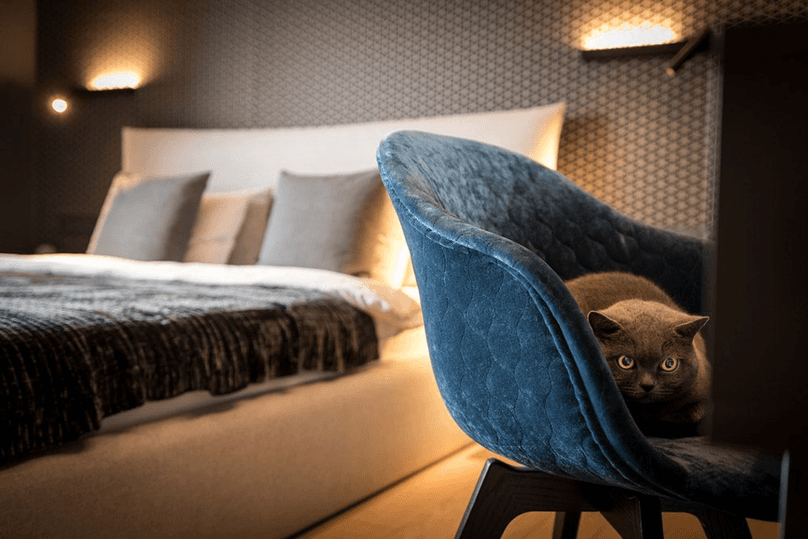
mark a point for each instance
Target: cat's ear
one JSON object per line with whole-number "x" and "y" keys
{"x": 602, "y": 325}
{"x": 691, "y": 327}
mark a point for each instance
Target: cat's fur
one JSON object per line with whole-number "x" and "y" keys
{"x": 633, "y": 317}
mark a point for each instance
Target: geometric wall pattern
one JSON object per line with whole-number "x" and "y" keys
{"x": 636, "y": 138}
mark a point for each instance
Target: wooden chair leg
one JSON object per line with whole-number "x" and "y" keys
{"x": 720, "y": 525}
{"x": 485, "y": 518}
{"x": 566, "y": 524}
{"x": 634, "y": 516}
{"x": 716, "y": 524}
{"x": 504, "y": 492}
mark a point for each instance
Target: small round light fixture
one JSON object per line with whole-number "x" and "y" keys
{"x": 59, "y": 105}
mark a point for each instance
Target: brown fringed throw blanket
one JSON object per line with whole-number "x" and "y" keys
{"x": 76, "y": 349}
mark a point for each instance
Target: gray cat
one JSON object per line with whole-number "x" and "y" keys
{"x": 653, "y": 348}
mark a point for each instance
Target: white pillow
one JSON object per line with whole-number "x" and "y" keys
{"x": 342, "y": 222}
{"x": 148, "y": 217}
{"x": 225, "y": 227}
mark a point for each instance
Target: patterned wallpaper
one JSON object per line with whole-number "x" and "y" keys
{"x": 633, "y": 136}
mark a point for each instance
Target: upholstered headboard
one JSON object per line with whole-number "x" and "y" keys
{"x": 249, "y": 158}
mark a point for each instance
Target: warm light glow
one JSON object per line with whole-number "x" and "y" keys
{"x": 143, "y": 46}
{"x": 115, "y": 81}
{"x": 627, "y": 35}
{"x": 59, "y": 105}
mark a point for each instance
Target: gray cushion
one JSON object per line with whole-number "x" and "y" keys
{"x": 148, "y": 217}
{"x": 339, "y": 222}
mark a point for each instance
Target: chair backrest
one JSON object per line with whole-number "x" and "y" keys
{"x": 492, "y": 237}
{"x": 540, "y": 209}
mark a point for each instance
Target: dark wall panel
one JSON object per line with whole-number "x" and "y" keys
{"x": 17, "y": 77}
{"x": 633, "y": 136}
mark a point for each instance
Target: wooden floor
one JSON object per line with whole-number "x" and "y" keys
{"x": 431, "y": 503}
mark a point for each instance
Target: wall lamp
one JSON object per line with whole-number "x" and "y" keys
{"x": 107, "y": 84}
{"x": 645, "y": 41}
{"x": 124, "y": 80}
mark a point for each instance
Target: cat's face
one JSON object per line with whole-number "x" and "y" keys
{"x": 649, "y": 349}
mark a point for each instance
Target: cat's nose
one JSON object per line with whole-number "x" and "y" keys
{"x": 647, "y": 386}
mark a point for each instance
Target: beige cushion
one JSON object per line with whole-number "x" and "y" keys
{"x": 148, "y": 217}
{"x": 251, "y": 235}
{"x": 229, "y": 226}
{"x": 342, "y": 222}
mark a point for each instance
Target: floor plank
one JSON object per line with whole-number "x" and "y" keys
{"x": 430, "y": 504}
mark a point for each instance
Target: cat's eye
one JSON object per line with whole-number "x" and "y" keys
{"x": 625, "y": 362}
{"x": 670, "y": 364}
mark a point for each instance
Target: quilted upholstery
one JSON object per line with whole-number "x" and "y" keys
{"x": 493, "y": 235}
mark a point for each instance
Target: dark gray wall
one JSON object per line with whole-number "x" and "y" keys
{"x": 17, "y": 75}
{"x": 633, "y": 136}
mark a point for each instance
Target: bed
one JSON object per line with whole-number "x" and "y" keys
{"x": 285, "y": 238}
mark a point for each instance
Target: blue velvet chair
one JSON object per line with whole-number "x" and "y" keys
{"x": 493, "y": 236}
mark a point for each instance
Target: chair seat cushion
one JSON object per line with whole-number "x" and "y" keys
{"x": 745, "y": 481}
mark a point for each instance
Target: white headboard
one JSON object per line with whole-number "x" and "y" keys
{"x": 253, "y": 158}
